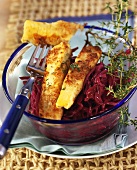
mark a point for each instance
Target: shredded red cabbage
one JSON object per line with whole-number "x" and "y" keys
{"x": 35, "y": 96}
{"x": 94, "y": 97}
{"x": 92, "y": 100}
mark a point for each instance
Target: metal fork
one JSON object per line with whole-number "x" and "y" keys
{"x": 14, "y": 115}
{"x": 121, "y": 132}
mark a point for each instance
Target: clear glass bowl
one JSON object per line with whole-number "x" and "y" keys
{"x": 74, "y": 132}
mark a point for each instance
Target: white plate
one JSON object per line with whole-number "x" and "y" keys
{"x": 132, "y": 134}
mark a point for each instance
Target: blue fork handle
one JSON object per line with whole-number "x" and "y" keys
{"x": 11, "y": 122}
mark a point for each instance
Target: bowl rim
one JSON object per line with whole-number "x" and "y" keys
{"x": 37, "y": 118}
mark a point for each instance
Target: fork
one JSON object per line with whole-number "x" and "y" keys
{"x": 121, "y": 132}
{"x": 10, "y": 124}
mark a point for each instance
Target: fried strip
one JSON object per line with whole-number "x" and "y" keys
{"x": 49, "y": 33}
{"x": 57, "y": 66}
{"x": 73, "y": 82}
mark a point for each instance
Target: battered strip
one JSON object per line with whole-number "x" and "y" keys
{"x": 58, "y": 61}
{"x": 73, "y": 82}
{"x": 49, "y": 33}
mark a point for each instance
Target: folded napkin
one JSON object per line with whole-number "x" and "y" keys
{"x": 27, "y": 136}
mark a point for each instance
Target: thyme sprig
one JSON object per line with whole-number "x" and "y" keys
{"x": 122, "y": 28}
{"x": 122, "y": 61}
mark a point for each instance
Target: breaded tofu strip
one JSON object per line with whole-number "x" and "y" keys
{"x": 58, "y": 62}
{"x": 73, "y": 83}
{"x": 49, "y": 33}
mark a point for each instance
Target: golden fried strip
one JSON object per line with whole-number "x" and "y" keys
{"x": 49, "y": 33}
{"x": 73, "y": 82}
{"x": 58, "y": 61}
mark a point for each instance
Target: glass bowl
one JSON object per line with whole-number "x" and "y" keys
{"x": 70, "y": 132}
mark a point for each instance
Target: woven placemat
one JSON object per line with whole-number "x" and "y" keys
{"x": 25, "y": 159}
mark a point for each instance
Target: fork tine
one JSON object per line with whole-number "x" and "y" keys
{"x": 40, "y": 57}
{"x": 31, "y": 61}
{"x": 44, "y": 61}
{"x": 34, "y": 66}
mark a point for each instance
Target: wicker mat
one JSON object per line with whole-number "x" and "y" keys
{"x": 25, "y": 159}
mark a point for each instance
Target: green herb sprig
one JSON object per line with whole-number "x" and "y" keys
{"x": 74, "y": 66}
{"x": 122, "y": 28}
{"x": 123, "y": 61}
